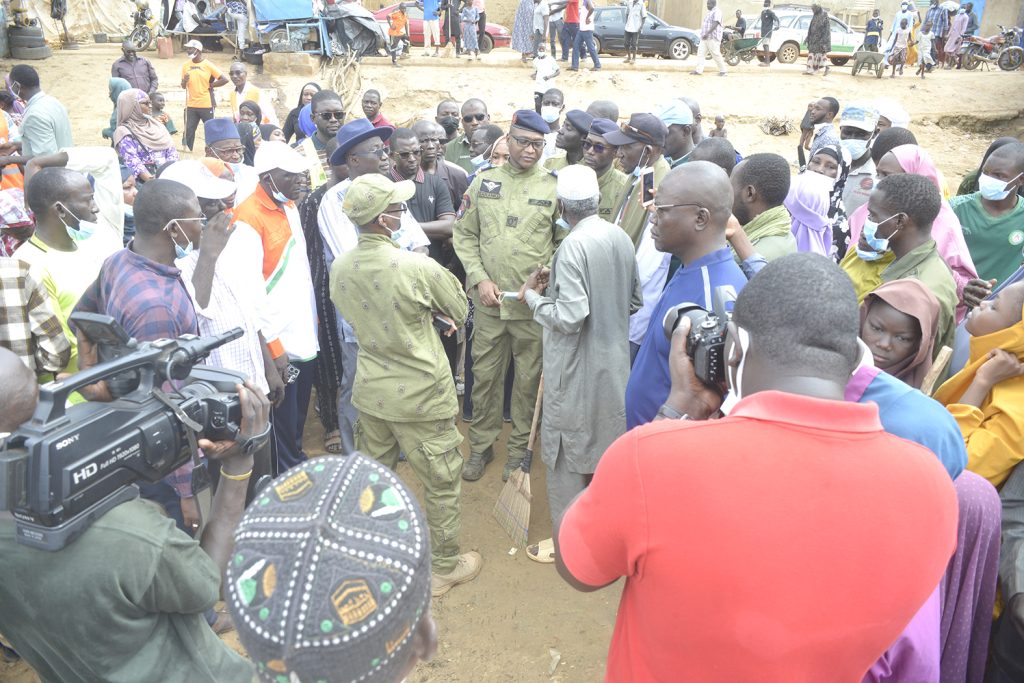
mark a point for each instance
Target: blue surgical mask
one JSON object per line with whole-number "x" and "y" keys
{"x": 856, "y": 148}
{"x": 550, "y": 113}
{"x": 84, "y": 230}
{"x": 563, "y": 224}
{"x": 478, "y": 161}
{"x": 180, "y": 252}
{"x": 994, "y": 189}
{"x": 879, "y": 244}
{"x": 277, "y": 194}
{"x": 865, "y": 255}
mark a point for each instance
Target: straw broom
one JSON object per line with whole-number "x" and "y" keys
{"x": 512, "y": 511}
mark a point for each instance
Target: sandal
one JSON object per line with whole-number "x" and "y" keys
{"x": 332, "y": 442}
{"x": 543, "y": 552}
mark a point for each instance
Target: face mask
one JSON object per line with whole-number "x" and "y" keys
{"x": 277, "y": 194}
{"x": 736, "y": 385}
{"x": 868, "y": 255}
{"x": 549, "y": 113}
{"x": 394, "y": 234}
{"x": 450, "y": 125}
{"x": 84, "y": 230}
{"x": 179, "y": 251}
{"x": 563, "y": 224}
{"x": 821, "y": 179}
{"x": 856, "y": 148}
{"x": 129, "y": 211}
{"x": 478, "y": 161}
{"x": 16, "y": 89}
{"x": 993, "y": 189}
{"x": 879, "y": 244}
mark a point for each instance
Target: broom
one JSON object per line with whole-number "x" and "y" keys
{"x": 512, "y": 511}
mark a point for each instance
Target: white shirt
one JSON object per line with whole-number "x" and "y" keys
{"x": 546, "y": 67}
{"x": 584, "y": 24}
{"x": 237, "y": 292}
{"x": 102, "y": 164}
{"x": 188, "y": 12}
{"x": 635, "y": 15}
{"x": 652, "y": 267}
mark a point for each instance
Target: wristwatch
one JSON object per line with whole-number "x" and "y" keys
{"x": 671, "y": 413}
{"x": 254, "y": 443}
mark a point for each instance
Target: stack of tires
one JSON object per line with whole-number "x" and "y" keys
{"x": 27, "y": 43}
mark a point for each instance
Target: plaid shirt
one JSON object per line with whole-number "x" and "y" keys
{"x": 712, "y": 18}
{"x": 150, "y": 302}
{"x": 13, "y": 214}
{"x": 28, "y": 325}
{"x": 939, "y": 19}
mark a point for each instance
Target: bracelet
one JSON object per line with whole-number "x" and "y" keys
{"x": 671, "y": 413}
{"x": 236, "y": 477}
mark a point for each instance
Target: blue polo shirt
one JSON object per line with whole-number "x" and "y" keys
{"x": 649, "y": 381}
{"x": 907, "y": 413}
{"x": 430, "y": 9}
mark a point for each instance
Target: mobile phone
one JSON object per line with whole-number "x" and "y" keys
{"x": 443, "y": 325}
{"x": 647, "y": 187}
{"x": 291, "y": 374}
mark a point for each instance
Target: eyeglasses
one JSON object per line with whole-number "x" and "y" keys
{"x": 402, "y": 208}
{"x": 529, "y": 142}
{"x": 409, "y": 155}
{"x": 336, "y": 115}
{"x": 470, "y": 117}
{"x": 379, "y": 152}
{"x": 227, "y": 151}
{"x": 662, "y": 208}
{"x": 596, "y": 146}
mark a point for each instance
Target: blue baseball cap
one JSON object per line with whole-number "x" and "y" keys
{"x": 528, "y": 119}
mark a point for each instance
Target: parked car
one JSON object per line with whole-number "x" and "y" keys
{"x": 788, "y": 42}
{"x": 495, "y": 35}
{"x": 658, "y": 37}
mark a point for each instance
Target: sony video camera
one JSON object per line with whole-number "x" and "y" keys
{"x": 706, "y": 342}
{"x": 65, "y": 467}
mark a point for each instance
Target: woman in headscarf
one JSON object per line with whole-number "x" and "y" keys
{"x": 115, "y": 86}
{"x": 834, "y": 161}
{"x": 142, "y": 142}
{"x": 898, "y": 321}
{"x": 808, "y": 201}
{"x": 270, "y": 132}
{"x": 249, "y": 112}
{"x": 522, "y": 29}
{"x": 969, "y": 185}
{"x": 249, "y": 134}
{"x": 291, "y": 124}
{"x": 946, "y": 231}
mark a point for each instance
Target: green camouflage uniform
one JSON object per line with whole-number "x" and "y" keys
{"x": 506, "y": 228}
{"x": 404, "y": 390}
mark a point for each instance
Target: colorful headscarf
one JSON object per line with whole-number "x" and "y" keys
{"x": 913, "y": 298}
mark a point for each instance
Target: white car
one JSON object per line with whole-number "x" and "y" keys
{"x": 788, "y": 42}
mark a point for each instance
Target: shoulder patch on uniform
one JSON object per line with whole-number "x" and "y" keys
{"x": 489, "y": 189}
{"x": 540, "y": 202}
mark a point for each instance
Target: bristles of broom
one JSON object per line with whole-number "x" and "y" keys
{"x": 512, "y": 510}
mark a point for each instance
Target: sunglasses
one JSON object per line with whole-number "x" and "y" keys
{"x": 415, "y": 154}
{"x": 470, "y": 117}
{"x": 596, "y": 146}
{"x": 529, "y": 142}
{"x": 336, "y": 115}
{"x": 379, "y": 152}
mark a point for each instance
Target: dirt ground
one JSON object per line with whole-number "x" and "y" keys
{"x": 519, "y": 621}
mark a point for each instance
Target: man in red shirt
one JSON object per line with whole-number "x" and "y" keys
{"x": 790, "y": 541}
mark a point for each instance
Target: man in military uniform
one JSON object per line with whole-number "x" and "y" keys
{"x": 391, "y": 298}
{"x": 570, "y": 139}
{"x": 457, "y": 151}
{"x": 600, "y": 155}
{"x": 506, "y": 228}
{"x": 640, "y": 143}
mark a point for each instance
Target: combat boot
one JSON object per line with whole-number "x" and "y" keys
{"x": 510, "y": 466}
{"x": 474, "y": 467}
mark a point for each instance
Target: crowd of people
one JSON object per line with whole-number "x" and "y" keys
{"x": 854, "y": 442}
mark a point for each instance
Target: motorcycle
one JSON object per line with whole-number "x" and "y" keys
{"x": 144, "y": 26}
{"x": 1003, "y": 50}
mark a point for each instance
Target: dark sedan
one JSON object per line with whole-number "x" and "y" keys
{"x": 658, "y": 37}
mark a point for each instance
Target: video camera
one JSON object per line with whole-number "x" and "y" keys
{"x": 65, "y": 468}
{"x": 705, "y": 344}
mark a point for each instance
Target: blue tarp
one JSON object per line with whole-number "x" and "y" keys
{"x": 279, "y": 10}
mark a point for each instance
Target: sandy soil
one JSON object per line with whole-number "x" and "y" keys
{"x": 512, "y": 623}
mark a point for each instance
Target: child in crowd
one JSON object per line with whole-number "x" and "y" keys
{"x": 924, "y": 49}
{"x": 719, "y": 130}
{"x": 898, "y": 56}
{"x": 469, "y": 17}
{"x": 873, "y": 32}
{"x": 398, "y": 33}
{"x": 545, "y": 70}
{"x": 898, "y": 322}
{"x": 987, "y": 396}
{"x": 156, "y": 100}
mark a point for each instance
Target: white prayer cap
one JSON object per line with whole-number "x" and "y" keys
{"x": 194, "y": 175}
{"x": 577, "y": 182}
{"x": 894, "y": 111}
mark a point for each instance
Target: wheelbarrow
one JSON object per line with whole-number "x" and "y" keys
{"x": 740, "y": 48}
{"x": 865, "y": 59}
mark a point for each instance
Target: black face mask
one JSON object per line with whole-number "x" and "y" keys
{"x": 450, "y": 125}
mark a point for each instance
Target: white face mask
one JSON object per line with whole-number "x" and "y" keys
{"x": 550, "y": 113}
{"x": 736, "y": 384}
{"x": 995, "y": 189}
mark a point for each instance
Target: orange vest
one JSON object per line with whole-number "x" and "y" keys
{"x": 10, "y": 176}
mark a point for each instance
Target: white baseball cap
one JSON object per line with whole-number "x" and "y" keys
{"x": 577, "y": 182}
{"x": 197, "y": 177}
{"x": 276, "y": 154}
{"x": 194, "y": 44}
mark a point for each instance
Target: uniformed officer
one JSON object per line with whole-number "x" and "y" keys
{"x": 599, "y": 154}
{"x": 404, "y": 391}
{"x": 570, "y": 139}
{"x": 641, "y": 143}
{"x": 506, "y": 228}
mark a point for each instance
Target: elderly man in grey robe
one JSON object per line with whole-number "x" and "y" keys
{"x": 583, "y": 305}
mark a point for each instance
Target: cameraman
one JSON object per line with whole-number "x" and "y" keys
{"x": 125, "y": 601}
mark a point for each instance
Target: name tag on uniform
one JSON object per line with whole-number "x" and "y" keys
{"x": 511, "y": 221}
{"x": 540, "y": 202}
{"x": 490, "y": 189}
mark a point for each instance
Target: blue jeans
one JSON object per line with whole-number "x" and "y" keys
{"x": 585, "y": 39}
{"x": 568, "y": 38}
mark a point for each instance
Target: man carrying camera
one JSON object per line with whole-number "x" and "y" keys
{"x": 817, "y": 493}
{"x": 147, "y": 583}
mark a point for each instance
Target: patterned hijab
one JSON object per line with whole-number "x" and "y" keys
{"x": 148, "y": 131}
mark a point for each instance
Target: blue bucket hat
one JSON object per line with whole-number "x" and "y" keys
{"x": 354, "y": 132}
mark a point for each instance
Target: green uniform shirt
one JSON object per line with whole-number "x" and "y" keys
{"x": 389, "y": 296}
{"x": 613, "y": 184}
{"x": 632, "y": 216}
{"x": 925, "y": 264}
{"x": 458, "y": 152}
{"x": 556, "y": 163}
{"x": 506, "y": 227}
{"x": 995, "y": 242}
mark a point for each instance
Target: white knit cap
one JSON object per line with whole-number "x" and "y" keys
{"x": 894, "y": 111}
{"x": 577, "y": 182}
